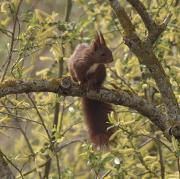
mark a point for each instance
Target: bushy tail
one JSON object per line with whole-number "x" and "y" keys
{"x": 96, "y": 116}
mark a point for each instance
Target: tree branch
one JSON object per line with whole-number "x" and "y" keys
{"x": 15, "y": 18}
{"x": 154, "y": 30}
{"x": 5, "y": 171}
{"x": 65, "y": 87}
{"x": 147, "y": 57}
{"x": 154, "y": 34}
{"x": 140, "y": 8}
{"x": 58, "y": 148}
{"x": 125, "y": 21}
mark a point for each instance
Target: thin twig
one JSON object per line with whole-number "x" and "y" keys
{"x": 9, "y": 161}
{"x": 12, "y": 41}
{"x": 6, "y": 32}
{"x": 105, "y": 174}
{"x": 40, "y": 117}
{"x": 58, "y": 166}
{"x": 24, "y": 135}
{"x": 141, "y": 159}
{"x": 178, "y": 164}
{"x": 62, "y": 115}
{"x": 123, "y": 80}
{"x": 57, "y": 105}
{"x": 157, "y": 140}
{"x": 19, "y": 117}
{"x": 5, "y": 171}
{"x": 58, "y": 148}
{"x": 69, "y": 128}
{"x": 161, "y": 160}
{"x": 22, "y": 131}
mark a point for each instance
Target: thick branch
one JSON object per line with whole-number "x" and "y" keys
{"x": 139, "y": 6}
{"x": 147, "y": 58}
{"x": 154, "y": 34}
{"x": 125, "y": 21}
{"x": 65, "y": 87}
{"x": 154, "y": 30}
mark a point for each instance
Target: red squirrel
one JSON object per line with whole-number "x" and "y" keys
{"x": 86, "y": 66}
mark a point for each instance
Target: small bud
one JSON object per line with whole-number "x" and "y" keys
{"x": 144, "y": 86}
{"x": 71, "y": 109}
{"x": 117, "y": 161}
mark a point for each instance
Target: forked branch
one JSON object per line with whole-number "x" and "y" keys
{"x": 145, "y": 54}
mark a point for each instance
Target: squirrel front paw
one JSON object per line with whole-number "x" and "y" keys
{"x": 93, "y": 87}
{"x": 83, "y": 86}
{"x": 89, "y": 86}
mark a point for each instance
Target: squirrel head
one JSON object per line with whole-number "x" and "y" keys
{"x": 100, "y": 52}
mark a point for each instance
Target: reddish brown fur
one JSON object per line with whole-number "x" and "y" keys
{"x": 96, "y": 115}
{"x": 96, "y": 112}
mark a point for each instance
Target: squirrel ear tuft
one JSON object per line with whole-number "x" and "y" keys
{"x": 95, "y": 45}
{"x": 96, "y": 42}
{"x": 97, "y": 38}
{"x": 102, "y": 41}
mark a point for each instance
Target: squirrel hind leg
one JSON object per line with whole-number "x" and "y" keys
{"x": 74, "y": 78}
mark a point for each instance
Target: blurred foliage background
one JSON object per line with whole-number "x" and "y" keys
{"x": 37, "y": 37}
